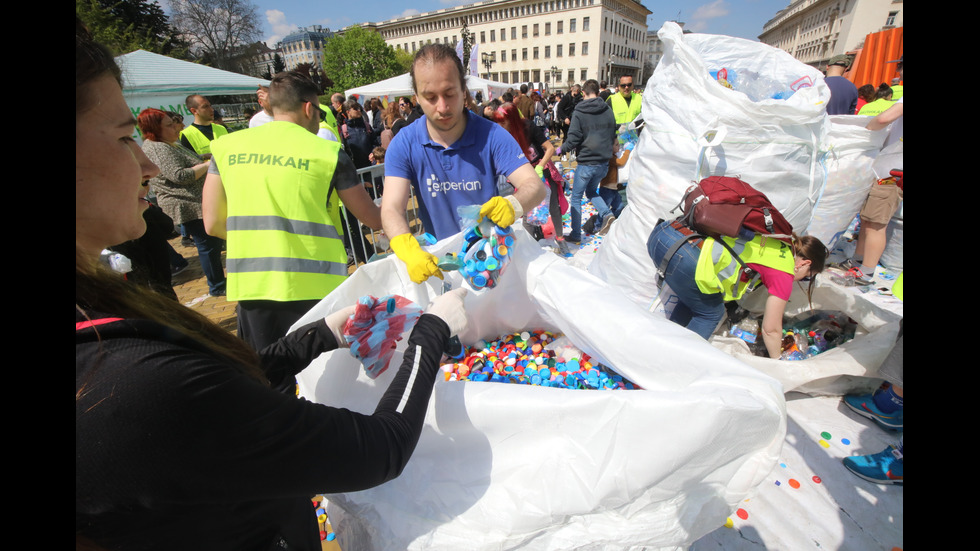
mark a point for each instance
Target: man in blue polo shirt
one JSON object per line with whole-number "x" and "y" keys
{"x": 452, "y": 158}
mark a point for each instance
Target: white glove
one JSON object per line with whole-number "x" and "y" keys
{"x": 336, "y": 322}
{"x": 449, "y": 308}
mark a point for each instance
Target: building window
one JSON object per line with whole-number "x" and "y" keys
{"x": 535, "y": 53}
{"x": 547, "y": 29}
{"x": 547, "y": 52}
{"x": 558, "y": 50}
{"x": 493, "y": 36}
{"x": 515, "y": 76}
{"x": 503, "y": 56}
{"x": 525, "y": 76}
{"x": 585, "y": 72}
{"x": 503, "y": 35}
{"x": 535, "y": 33}
{"x": 890, "y": 21}
{"x": 513, "y": 55}
{"x": 559, "y": 30}
{"x": 571, "y": 49}
{"x": 513, "y": 33}
{"x": 571, "y": 25}
{"x": 524, "y": 54}
{"x": 585, "y": 24}
{"x": 585, "y": 48}
{"x": 524, "y": 31}
{"x": 571, "y": 75}
{"x": 483, "y": 37}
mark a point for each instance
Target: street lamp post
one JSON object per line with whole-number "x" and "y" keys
{"x": 488, "y": 60}
{"x": 609, "y": 64}
{"x": 554, "y": 76}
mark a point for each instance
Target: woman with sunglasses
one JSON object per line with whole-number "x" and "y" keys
{"x": 704, "y": 275}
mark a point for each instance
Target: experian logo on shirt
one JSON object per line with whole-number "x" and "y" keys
{"x": 434, "y": 186}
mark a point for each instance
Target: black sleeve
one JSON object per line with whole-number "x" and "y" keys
{"x": 176, "y": 424}
{"x": 345, "y": 174}
{"x": 286, "y": 357}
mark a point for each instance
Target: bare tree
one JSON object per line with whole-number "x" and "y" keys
{"x": 218, "y": 30}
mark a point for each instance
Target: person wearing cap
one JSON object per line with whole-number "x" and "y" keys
{"x": 843, "y": 93}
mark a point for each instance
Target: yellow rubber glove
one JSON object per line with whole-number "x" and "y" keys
{"x": 502, "y": 211}
{"x": 421, "y": 264}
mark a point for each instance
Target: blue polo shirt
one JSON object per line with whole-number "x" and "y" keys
{"x": 445, "y": 178}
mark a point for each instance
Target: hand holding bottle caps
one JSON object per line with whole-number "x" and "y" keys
{"x": 486, "y": 253}
{"x": 374, "y": 328}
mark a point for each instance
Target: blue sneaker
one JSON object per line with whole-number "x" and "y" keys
{"x": 884, "y": 467}
{"x": 865, "y": 407}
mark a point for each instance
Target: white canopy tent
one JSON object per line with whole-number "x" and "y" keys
{"x": 154, "y": 80}
{"x": 401, "y": 85}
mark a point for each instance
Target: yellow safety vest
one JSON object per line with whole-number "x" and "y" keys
{"x": 876, "y": 107}
{"x": 199, "y": 141}
{"x": 718, "y": 272}
{"x": 626, "y": 113}
{"x": 331, "y": 122}
{"x": 285, "y": 236}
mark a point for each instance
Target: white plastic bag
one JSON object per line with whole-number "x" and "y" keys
{"x": 849, "y": 153}
{"x": 695, "y": 127}
{"x": 502, "y": 466}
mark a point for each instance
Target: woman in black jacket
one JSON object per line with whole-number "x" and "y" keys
{"x": 185, "y": 438}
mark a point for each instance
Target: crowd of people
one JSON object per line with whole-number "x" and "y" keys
{"x": 169, "y": 406}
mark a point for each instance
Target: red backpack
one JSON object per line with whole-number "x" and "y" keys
{"x": 723, "y": 205}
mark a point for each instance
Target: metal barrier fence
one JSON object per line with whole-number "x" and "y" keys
{"x": 362, "y": 242}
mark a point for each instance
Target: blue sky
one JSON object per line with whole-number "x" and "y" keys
{"x": 741, "y": 18}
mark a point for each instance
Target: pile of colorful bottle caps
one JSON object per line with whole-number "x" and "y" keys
{"x": 527, "y": 358}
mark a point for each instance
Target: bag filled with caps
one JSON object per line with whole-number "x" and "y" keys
{"x": 501, "y": 466}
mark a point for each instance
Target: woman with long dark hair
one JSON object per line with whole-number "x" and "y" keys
{"x": 185, "y": 438}
{"x": 538, "y": 149}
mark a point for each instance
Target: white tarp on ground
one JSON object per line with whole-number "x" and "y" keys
{"x": 503, "y": 466}
{"x": 401, "y": 85}
{"x": 161, "y": 82}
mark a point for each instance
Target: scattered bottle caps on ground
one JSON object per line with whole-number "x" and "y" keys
{"x": 538, "y": 357}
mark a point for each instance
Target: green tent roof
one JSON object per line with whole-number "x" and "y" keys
{"x": 148, "y": 73}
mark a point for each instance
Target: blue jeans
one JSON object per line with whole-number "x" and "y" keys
{"x": 612, "y": 198}
{"x": 587, "y": 177}
{"x": 695, "y": 310}
{"x": 209, "y": 252}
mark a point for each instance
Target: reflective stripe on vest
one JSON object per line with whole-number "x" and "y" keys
{"x": 283, "y": 243}
{"x": 626, "y": 113}
{"x": 719, "y": 272}
{"x": 200, "y": 142}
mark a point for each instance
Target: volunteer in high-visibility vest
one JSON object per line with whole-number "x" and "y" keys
{"x": 704, "y": 275}
{"x": 627, "y": 104}
{"x": 199, "y": 135}
{"x": 269, "y": 192}
{"x": 328, "y": 125}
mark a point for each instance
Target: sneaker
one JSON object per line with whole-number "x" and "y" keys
{"x": 219, "y": 293}
{"x": 563, "y": 248}
{"x": 846, "y": 265}
{"x": 860, "y": 279}
{"x": 884, "y": 467}
{"x": 865, "y": 407}
{"x": 174, "y": 270}
{"x": 606, "y": 224}
{"x": 186, "y": 241}
{"x": 573, "y": 240}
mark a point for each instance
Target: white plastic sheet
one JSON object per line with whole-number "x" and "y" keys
{"x": 500, "y": 466}
{"x": 695, "y": 127}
